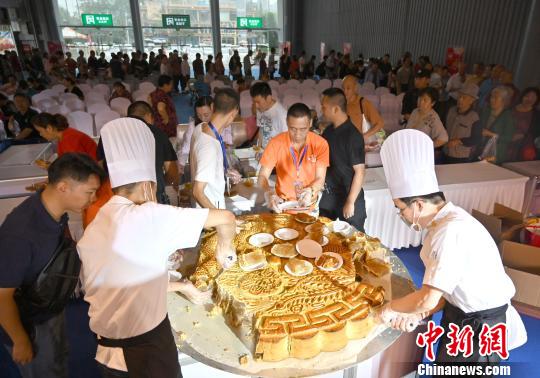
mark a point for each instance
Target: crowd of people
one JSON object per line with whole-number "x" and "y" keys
{"x": 502, "y": 122}
{"x": 120, "y": 181}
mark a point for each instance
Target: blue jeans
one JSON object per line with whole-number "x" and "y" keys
{"x": 50, "y": 351}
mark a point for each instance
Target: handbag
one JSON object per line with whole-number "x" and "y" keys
{"x": 54, "y": 285}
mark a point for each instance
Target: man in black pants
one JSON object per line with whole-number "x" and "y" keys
{"x": 343, "y": 196}
{"x": 29, "y": 238}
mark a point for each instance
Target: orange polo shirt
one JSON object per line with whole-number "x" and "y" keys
{"x": 277, "y": 154}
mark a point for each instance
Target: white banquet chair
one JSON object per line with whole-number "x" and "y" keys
{"x": 97, "y": 108}
{"x": 102, "y": 118}
{"x": 81, "y": 121}
{"x": 120, "y": 105}
{"x": 147, "y": 87}
{"x": 75, "y": 104}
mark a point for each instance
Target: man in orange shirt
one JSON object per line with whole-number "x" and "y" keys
{"x": 359, "y": 108}
{"x": 300, "y": 158}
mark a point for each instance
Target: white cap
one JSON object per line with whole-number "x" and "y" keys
{"x": 130, "y": 150}
{"x": 408, "y": 162}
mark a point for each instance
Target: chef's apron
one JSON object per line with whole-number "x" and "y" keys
{"x": 150, "y": 355}
{"x": 476, "y": 320}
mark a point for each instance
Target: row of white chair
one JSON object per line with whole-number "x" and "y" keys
{"x": 91, "y": 125}
{"x": 51, "y": 105}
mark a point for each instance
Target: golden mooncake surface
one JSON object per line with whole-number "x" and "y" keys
{"x": 279, "y": 316}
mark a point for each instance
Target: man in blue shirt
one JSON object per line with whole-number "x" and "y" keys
{"x": 29, "y": 238}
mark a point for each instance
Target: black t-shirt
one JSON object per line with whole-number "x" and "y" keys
{"x": 164, "y": 152}
{"x": 25, "y": 122}
{"x": 346, "y": 150}
{"x": 410, "y": 101}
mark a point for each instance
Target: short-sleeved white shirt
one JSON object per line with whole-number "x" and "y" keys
{"x": 124, "y": 254}
{"x": 463, "y": 261}
{"x": 206, "y": 161}
{"x": 272, "y": 122}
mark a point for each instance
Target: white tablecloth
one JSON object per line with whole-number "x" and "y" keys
{"x": 470, "y": 186}
{"x": 373, "y": 159}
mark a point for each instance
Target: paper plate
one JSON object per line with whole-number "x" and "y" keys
{"x": 285, "y": 250}
{"x": 309, "y": 248}
{"x": 286, "y": 234}
{"x": 325, "y": 240}
{"x": 313, "y": 227}
{"x": 307, "y": 264}
{"x": 261, "y": 240}
{"x": 329, "y": 269}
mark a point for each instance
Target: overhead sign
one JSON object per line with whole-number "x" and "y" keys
{"x": 176, "y": 21}
{"x": 97, "y": 20}
{"x": 249, "y": 22}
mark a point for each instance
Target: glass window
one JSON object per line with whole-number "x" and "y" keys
{"x": 243, "y": 40}
{"x": 69, "y": 11}
{"x": 197, "y": 39}
{"x": 198, "y": 11}
{"x": 105, "y": 40}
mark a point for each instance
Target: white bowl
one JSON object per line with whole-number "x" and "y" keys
{"x": 286, "y": 234}
{"x": 340, "y": 226}
{"x": 261, "y": 240}
{"x": 309, "y": 248}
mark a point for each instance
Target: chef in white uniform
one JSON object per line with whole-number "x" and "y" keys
{"x": 464, "y": 274}
{"x": 124, "y": 254}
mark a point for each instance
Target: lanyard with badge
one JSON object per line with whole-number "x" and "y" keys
{"x": 298, "y": 185}
{"x": 222, "y": 143}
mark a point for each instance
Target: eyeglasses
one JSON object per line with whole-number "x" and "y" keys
{"x": 400, "y": 211}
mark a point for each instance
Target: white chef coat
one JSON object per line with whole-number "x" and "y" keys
{"x": 206, "y": 164}
{"x": 463, "y": 261}
{"x": 124, "y": 254}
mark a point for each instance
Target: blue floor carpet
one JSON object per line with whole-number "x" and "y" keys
{"x": 83, "y": 345}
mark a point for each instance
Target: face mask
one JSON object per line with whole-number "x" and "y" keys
{"x": 415, "y": 226}
{"x": 148, "y": 193}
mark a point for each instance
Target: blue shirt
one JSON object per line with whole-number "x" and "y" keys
{"x": 28, "y": 238}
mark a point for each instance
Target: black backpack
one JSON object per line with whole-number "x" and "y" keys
{"x": 55, "y": 284}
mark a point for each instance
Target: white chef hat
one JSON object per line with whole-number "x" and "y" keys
{"x": 130, "y": 150}
{"x": 408, "y": 162}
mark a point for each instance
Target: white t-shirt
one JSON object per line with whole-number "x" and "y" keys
{"x": 463, "y": 261}
{"x": 124, "y": 254}
{"x": 272, "y": 122}
{"x": 301, "y": 64}
{"x": 206, "y": 162}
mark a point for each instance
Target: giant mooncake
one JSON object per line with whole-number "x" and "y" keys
{"x": 277, "y": 315}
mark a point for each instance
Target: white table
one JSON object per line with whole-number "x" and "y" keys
{"x": 470, "y": 186}
{"x": 530, "y": 169}
{"x": 373, "y": 159}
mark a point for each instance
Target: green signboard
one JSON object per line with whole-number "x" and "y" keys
{"x": 176, "y": 21}
{"x": 249, "y": 22}
{"x": 97, "y": 20}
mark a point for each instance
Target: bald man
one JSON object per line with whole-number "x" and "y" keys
{"x": 358, "y": 106}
